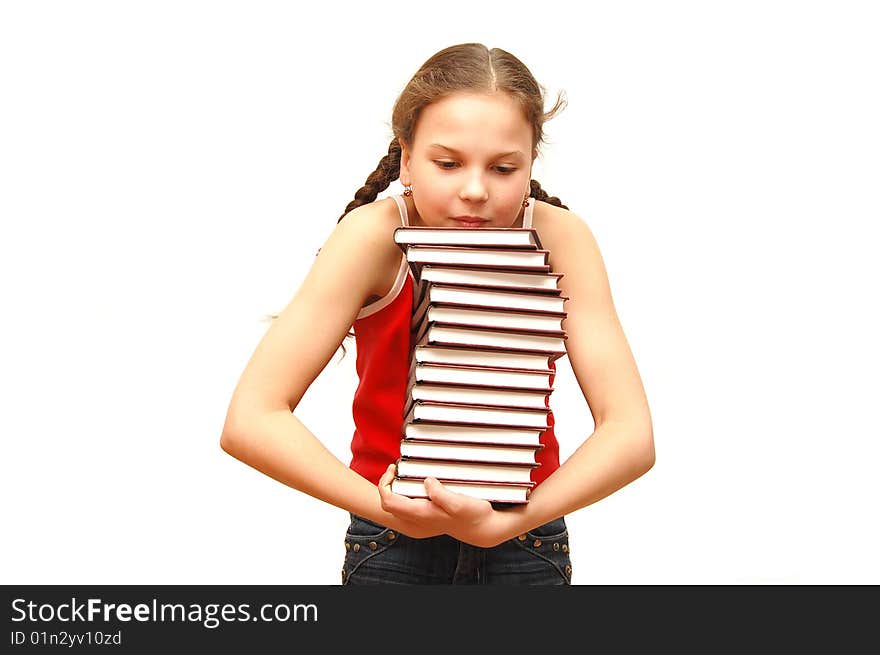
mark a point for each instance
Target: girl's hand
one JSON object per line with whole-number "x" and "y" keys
{"x": 416, "y": 517}
{"x": 472, "y": 520}
{"x": 467, "y": 519}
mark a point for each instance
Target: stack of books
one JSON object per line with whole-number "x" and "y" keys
{"x": 486, "y": 328}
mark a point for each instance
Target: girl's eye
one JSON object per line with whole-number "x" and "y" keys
{"x": 448, "y": 165}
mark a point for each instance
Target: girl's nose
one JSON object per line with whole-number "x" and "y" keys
{"x": 474, "y": 189}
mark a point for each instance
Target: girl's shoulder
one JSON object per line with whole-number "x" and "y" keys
{"x": 380, "y": 216}
{"x": 378, "y": 221}
{"x": 554, "y": 224}
{"x": 573, "y": 248}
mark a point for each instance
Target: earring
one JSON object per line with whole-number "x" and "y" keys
{"x": 526, "y": 201}
{"x": 407, "y": 191}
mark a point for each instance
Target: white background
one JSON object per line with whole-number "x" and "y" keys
{"x": 169, "y": 169}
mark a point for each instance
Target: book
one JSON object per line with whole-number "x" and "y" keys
{"x": 487, "y": 297}
{"x": 488, "y": 310}
{"x": 482, "y": 434}
{"x": 471, "y": 395}
{"x": 468, "y": 452}
{"x": 511, "y": 237}
{"x": 507, "y": 319}
{"x": 500, "y": 278}
{"x": 441, "y": 334}
{"x": 428, "y": 410}
{"x": 474, "y": 471}
{"x": 481, "y": 375}
{"x": 496, "y": 359}
{"x": 493, "y": 492}
{"x": 536, "y": 260}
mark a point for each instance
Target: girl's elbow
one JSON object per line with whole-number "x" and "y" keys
{"x": 227, "y": 442}
{"x": 231, "y": 437}
{"x": 649, "y": 459}
{"x": 230, "y": 442}
{"x": 647, "y": 455}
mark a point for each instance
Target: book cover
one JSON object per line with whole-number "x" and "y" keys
{"x": 497, "y": 359}
{"x": 508, "y": 237}
{"x": 479, "y": 337}
{"x": 473, "y": 433}
{"x": 486, "y": 297}
{"x": 493, "y": 492}
{"x": 499, "y": 278}
{"x": 482, "y": 396}
{"x": 458, "y": 451}
{"x": 526, "y": 260}
{"x": 458, "y": 374}
{"x": 503, "y": 319}
{"x": 472, "y": 471}
{"x": 426, "y": 410}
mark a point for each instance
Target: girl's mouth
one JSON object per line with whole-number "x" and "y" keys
{"x": 469, "y": 221}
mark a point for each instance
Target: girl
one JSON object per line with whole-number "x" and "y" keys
{"x": 467, "y": 128}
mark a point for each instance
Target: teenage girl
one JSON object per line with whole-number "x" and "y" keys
{"x": 467, "y": 128}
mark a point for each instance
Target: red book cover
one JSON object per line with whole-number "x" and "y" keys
{"x": 502, "y": 493}
{"x": 476, "y": 414}
{"x": 500, "y": 237}
{"x": 465, "y": 356}
{"x": 458, "y": 375}
{"x": 495, "y": 317}
{"x": 488, "y": 297}
{"x": 483, "y": 338}
{"x": 465, "y": 470}
{"x": 481, "y": 258}
{"x": 501, "y": 278}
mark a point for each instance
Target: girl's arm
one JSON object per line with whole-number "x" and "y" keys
{"x": 261, "y": 429}
{"x": 621, "y": 447}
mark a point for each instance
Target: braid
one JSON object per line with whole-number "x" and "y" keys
{"x": 539, "y": 194}
{"x": 377, "y": 181}
{"x": 387, "y": 171}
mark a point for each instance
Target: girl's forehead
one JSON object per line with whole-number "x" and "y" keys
{"x": 494, "y": 116}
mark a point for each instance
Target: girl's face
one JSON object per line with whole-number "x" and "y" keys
{"x": 470, "y": 162}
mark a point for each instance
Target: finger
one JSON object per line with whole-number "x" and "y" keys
{"x": 448, "y": 501}
{"x": 385, "y": 481}
{"x": 388, "y": 476}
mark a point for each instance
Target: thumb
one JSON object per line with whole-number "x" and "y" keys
{"x": 448, "y": 501}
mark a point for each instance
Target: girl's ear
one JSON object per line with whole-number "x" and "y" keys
{"x": 405, "y": 179}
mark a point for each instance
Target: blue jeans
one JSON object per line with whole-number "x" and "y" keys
{"x": 376, "y": 555}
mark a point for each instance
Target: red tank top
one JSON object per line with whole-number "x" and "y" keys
{"x": 382, "y": 341}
